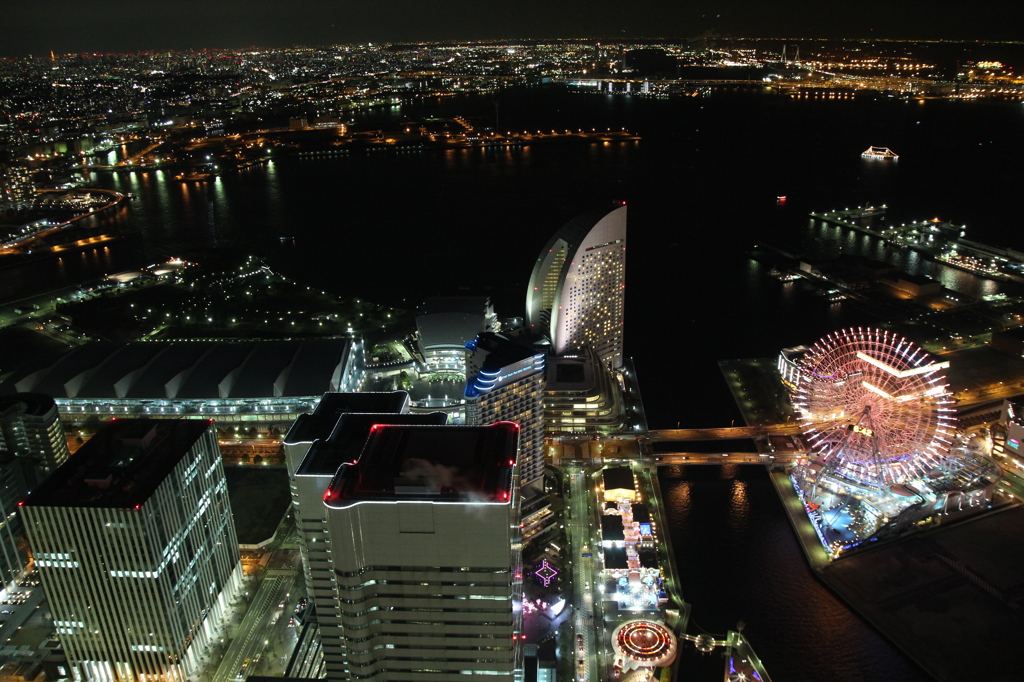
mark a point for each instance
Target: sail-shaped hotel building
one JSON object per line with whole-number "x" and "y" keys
{"x": 576, "y": 292}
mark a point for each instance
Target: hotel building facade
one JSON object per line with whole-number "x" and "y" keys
{"x": 576, "y": 293}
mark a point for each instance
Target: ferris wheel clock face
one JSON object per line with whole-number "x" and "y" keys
{"x": 875, "y": 406}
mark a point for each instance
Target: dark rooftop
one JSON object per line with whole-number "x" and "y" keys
{"x": 199, "y": 370}
{"x": 436, "y": 463}
{"x": 472, "y": 305}
{"x": 318, "y": 424}
{"x": 615, "y": 557}
{"x": 35, "y": 404}
{"x": 121, "y": 466}
{"x": 349, "y": 436}
{"x": 619, "y": 478}
{"x": 611, "y": 528}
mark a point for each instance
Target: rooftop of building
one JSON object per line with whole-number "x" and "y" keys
{"x": 348, "y": 438}
{"x": 186, "y": 370}
{"x": 619, "y": 478}
{"x": 449, "y": 328}
{"x": 473, "y": 305}
{"x": 121, "y": 466}
{"x": 572, "y": 372}
{"x": 34, "y": 404}
{"x": 612, "y": 529}
{"x": 430, "y": 463}
{"x": 494, "y": 352}
{"x": 1017, "y": 334}
{"x": 321, "y": 422}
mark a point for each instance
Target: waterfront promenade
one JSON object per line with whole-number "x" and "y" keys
{"x": 25, "y": 242}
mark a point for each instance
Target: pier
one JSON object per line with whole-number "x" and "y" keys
{"x": 941, "y": 241}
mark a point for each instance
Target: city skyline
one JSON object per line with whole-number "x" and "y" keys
{"x": 115, "y": 26}
{"x": 273, "y": 240}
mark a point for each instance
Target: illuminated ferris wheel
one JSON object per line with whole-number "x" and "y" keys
{"x": 875, "y": 406}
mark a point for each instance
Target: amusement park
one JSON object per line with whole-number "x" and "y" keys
{"x": 883, "y": 453}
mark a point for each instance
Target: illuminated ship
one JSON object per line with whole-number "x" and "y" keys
{"x": 880, "y": 153}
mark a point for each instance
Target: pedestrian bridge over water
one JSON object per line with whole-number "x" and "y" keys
{"x": 765, "y": 445}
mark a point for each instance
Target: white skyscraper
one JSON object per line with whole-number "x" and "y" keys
{"x": 136, "y": 547}
{"x": 424, "y": 540}
{"x": 577, "y": 290}
{"x": 319, "y": 444}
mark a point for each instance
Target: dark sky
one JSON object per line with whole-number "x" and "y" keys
{"x": 28, "y": 27}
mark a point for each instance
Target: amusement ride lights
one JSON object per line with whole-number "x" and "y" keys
{"x": 875, "y": 406}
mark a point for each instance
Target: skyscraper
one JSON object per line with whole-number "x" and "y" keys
{"x": 337, "y": 432}
{"x": 32, "y": 445}
{"x": 505, "y": 381}
{"x": 136, "y": 548}
{"x": 424, "y": 535}
{"x": 30, "y": 427}
{"x": 577, "y": 288}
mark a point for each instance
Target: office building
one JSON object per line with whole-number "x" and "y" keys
{"x": 318, "y": 425}
{"x": 14, "y": 486}
{"x": 30, "y": 428}
{"x": 334, "y": 434}
{"x": 424, "y": 539}
{"x": 505, "y": 381}
{"x": 135, "y": 545}
{"x": 577, "y": 289}
{"x": 16, "y": 186}
{"x": 32, "y": 446}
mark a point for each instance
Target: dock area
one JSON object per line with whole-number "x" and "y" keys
{"x": 939, "y": 240}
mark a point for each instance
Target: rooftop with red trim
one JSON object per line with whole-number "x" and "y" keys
{"x": 430, "y": 463}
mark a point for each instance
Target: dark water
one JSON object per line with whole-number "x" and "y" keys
{"x": 701, "y": 187}
{"x": 738, "y": 559}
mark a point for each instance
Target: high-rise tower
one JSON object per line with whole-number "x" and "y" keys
{"x": 334, "y": 434}
{"x": 505, "y": 381}
{"x": 30, "y": 427}
{"x": 577, "y": 289}
{"x": 424, "y": 539}
{"x": 136, "y": 548}
{"x": 32, "y": 446}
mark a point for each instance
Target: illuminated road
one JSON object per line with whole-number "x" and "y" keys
{"x": 578, "y": 533}
{"x": 252, "y": 638}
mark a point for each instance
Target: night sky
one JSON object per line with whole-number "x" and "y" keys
{"x": 122, "y": 26}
